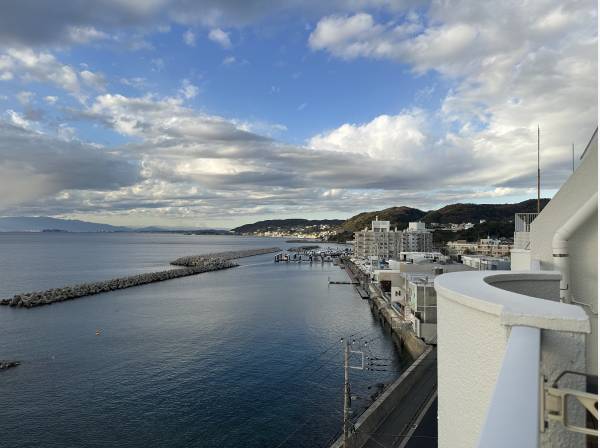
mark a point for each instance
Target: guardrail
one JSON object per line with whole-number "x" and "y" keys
{"x": 523, "y": 221}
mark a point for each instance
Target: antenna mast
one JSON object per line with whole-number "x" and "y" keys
{"x": 538, "y": 171}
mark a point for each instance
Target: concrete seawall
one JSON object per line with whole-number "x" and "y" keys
{"x": 193, "y": 265}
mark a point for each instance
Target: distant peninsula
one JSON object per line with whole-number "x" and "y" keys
{"x": 57, "y": 225}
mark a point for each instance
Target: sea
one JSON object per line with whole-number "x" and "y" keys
{"x": 244, "y": 357}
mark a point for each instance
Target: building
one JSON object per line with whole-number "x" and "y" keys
{"x": 485, "y": 263}
{"x": 416, "y": 238}
{"x": 517, "y": 350}
{"x": 486, "y": 246}
{"x": 411, "y": 290}
{"x": 380, "y": 241}
{"x": 460, "y": 247}
{"x": 383, "y": 243}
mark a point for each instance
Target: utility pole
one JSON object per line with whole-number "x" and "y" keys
{"x": 347, "y": 428}
{"x": 538, "y": 172}
{"x": 346, "y": 393}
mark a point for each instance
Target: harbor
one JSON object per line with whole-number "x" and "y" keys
{"x": 311, "y": 254}
{"x": 262, "y": 338}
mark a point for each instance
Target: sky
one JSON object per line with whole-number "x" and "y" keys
{"x": 218, "y": 113}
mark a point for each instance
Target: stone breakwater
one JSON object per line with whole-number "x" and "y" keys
{"x": 8, "y": 364}
{"x": 39, "y": 298}
{"x": 195, "y": 260}
{"x": 192, "y": 266}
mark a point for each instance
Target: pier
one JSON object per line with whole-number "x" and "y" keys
{"x": 192, "y": 265}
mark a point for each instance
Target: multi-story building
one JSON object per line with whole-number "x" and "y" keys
{"x": 485, "y": 246}
{"x": 518, "y": 350}
{"x": 379, "y": 241}
{"x": 416, "y": 238}
{"x": 383, "y": 243}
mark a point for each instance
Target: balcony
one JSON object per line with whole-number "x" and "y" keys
{"x": 499, "y": 336}
{"x": 522, "y": 228}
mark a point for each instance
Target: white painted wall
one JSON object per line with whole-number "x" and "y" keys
{"x": 466, "y": 336}
{"x": 520, "y": 259}
{"x": 583, "y": 247}
{"x": 474, "y": 323}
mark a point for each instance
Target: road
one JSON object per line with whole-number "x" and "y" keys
{"x": 394, "y": 429}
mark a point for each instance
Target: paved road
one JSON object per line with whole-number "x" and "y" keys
{"x": 394, "y": 428}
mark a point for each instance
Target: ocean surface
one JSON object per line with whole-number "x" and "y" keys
{"x": 246, "y": 357}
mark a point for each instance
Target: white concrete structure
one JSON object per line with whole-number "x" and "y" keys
{"x": 382, "y": 242}
{"x": 477, "y": 314}
{"x": 500, "y": 333}
{"x": 485, "y": 263}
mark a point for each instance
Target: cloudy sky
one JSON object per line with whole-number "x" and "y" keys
{"x": 217, "y": 113}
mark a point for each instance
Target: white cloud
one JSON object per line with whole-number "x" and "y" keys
{"x": 508, "y": 70}
{"x": 157, "y": 64}
{"x": 51, "y": 99}
{"x": 399, "y": 137}
{"x": 85, "y": 34}
{"x": 137, "y": 82}
{"x": 94, "y": 80}
{"x": 188, "y": 90}
{"x": 229, "y": 60}
{"x": 24, "y": 97}
{"x": 220, "y": 37}
{"x": 189, "y": 37}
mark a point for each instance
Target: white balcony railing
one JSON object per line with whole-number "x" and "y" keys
{"x": 523, "y": 221}
{"x": 499, "y": 334}
{"x": 506, "y": 424}
{"x": 522, "y": 228}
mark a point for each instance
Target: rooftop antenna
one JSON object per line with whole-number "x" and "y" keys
{"x": 538, "y": 171}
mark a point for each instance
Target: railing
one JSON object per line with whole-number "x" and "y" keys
{"x": 488, "y": 380}
{"x": 513, "y": 415}
{"x": 522, "y": 228}
{"x": 523, "y": 221}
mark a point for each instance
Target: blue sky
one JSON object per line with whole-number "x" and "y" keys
{"x": 221, "y": 113}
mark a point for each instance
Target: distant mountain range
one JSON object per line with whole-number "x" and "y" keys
{"x": 271, "y": 225}
{"x": 47, "y": 224}
{"x": 398, "y": 217}
{"x": 401, "y": 216}
{"x": 41, "y": 223}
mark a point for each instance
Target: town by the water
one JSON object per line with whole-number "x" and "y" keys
{"x": 299, "y": 224}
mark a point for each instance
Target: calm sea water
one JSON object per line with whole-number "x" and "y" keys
{"x": 244, "y": 357}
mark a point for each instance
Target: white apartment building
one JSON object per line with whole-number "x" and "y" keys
{"x": 382, "y": 242}
{"x": 485, "y": 263}
{"x": 485, "y": 246}
{"x": 517, "y": 350}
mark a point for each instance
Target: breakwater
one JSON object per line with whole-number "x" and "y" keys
{"x": 4, "y": 365}
{"x": 191, "y": 266}
{"x": 196, "y": 260}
